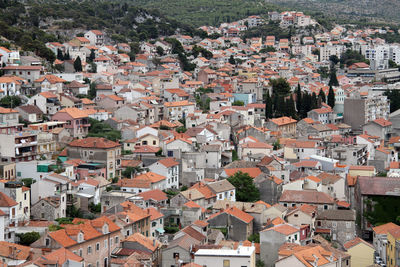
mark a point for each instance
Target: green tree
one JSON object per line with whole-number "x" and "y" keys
{"x": 333, "y": 81}
{"x": 322, "y": 96}
{"x": 290, "y": 108}
{"x": 254, "y": 238}
{"x": 246, "y": 191}
{"x": 314, "y": 101}
{"x": 280, "y": 87}
{"x": 27, "y": 239}
{"x": 334, "y": 59}
{"x": 260, "y": 263}
{"x": 160, "y": 50}
{"x": 28, "y": 182}
{"x": 268, "y": 106}
{"x": 60, "y": 55}
{"x": 299, "y": 103}
{"x": 92, "y": 55}
{"x": 331, "y": 97}
{"x": 78, "y": 64}
{"x": 132, "y": 171}
{"x": 232, "y": 60}
{"x": 10, "y": 101}
{"x": 238, "y": 103}
{"x": 92, "y": 90}
{"x": 394, "y": 99}
{"x": 392, "y": 64}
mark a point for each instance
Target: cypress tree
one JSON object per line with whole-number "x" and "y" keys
{"x": 281, "y": 106}
{"x": 92, "y": 55}
{"x": 291, "y": 110}
{"x": 60, "y": 55}
{"x": 322, "y": 96}
{"x": 306, "y": 104}
{"x": 268, "y": 106}
{"x": 314, "y": 101}
{"x": 78, "y": 64}
{"x": 299, "y": 104}
{"x": 331, "y": 97}
{"x": 333, "y": 81}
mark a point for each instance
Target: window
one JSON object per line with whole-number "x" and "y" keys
{"x": 105, "y": 243}
{"x": 24, "y": 196}
{"x": 325, "y": 207}
{"x": 80, "y": 252}
{"x": 116, "y": 240}
{"x": 97, "y": 246}
{"x": 334, "y": 224}
{"x": 348, "y": 224}
{"x": 176, "y": 255}
{"x": 227, "y": 263}
{"x": 153, "y": 224}
{"x": 47, "y": 242}
{"x": 89, "y": 250}
{"x": 319, "y": 223}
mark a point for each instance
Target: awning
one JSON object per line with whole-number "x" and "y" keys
{"x": 160, "y": 230}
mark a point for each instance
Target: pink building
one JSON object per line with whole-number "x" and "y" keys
{"x": 77, "y": 121}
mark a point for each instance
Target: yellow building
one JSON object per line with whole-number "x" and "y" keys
{"x": 393, "y": 250}
{"x": 362, "y": 171}
{"x": 362, "y": 252}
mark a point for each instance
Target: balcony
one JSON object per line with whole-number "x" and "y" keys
{"x": 33, "y": 143}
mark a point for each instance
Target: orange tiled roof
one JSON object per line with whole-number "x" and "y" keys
{"x": 75, "y": 113}
{"x": 94, "y": 142}
{"x": 253, "y": 172}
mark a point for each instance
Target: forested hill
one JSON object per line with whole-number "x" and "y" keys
{"x": 30, "y": 24}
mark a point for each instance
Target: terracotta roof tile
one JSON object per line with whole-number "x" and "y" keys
{"x": 94, "y": 142}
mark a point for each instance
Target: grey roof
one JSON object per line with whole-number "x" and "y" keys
{"x": 211, "y": 148}
{"x": 379, "y": 186}
{"x": 221, "y": 186}
{"x": 247, "y": 207}
{"x": 30, "y": 109}
{"x": 306, "y": 196}
{"x": 184, "y": 242}
{"x": 337, "y": 215}
{"x": 241, "y": 164}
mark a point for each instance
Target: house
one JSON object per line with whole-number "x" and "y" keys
{"x": 8, "y": 212}
{"x": 29, "y": 73}
{"x": 111, "y": 102}
{"x": 77, "y": 88}
{"x": 97, "y": 150}
{"x": 271, "y": 239}
{"x": 47, "y": 102}
{"x": 296, "y": 256}
{"x": 48, "y": 208}
{"x": 179, "y": 251}
{"x": 340, "y": 223}
{"x": 238, "y": 223}
{"x": 154, "y": 198}
{"x": 140, "y": 243}
{"x": 362, "y": 252}
{"x": 77, "y": 121}
{"x": 10, "y": 85}
{"x": 130, "y": 218}
{"x": 14, "y": 255}
{"x": 50, "y": 82}
{"x": 379, "y": 127}
{"x": 285, "y": 125}
{"x": 61, "y": 256}
{"x": 30, "y": 113}
{"x": 380, "y": 238}
{"x": 393, "y": 249}
{"x": 95, "y": 37}
{"x": 156, "y": 222}
{"x": 368, "y": 188}
{"x": 178, "y": 110}
{"x": 248, "y": 149}
{"x": 242, "y": 256}
{"x": 93, "y": 240}
{"x": 223, "y": 189}
{"x": 324, "y": 115}
{"x": 143, "y": 182}
{"x": 170, "y": 168}
{"x": 291, "y": 198}
{"x": 303, "y": 215}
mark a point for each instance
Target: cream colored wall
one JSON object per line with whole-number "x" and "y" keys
{"x": 361, "y": 255}
{"x": 361, "y": 173}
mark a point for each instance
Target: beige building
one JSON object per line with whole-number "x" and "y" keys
{"x": 362, "y": 252}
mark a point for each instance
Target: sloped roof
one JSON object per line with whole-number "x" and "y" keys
{"x": 306, "y": 196}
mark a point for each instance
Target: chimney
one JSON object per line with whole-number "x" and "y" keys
{"x": 190, "y": 196}
{"x": 148, "y": 211}
{"x": 10, "y": 251}
{"x": 227, "y": 206}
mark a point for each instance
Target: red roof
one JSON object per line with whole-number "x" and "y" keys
{"x": 94, "y": 142}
